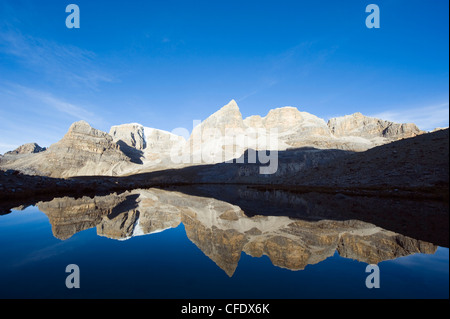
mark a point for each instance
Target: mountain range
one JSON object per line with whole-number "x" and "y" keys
{"x": 225, "y": 135}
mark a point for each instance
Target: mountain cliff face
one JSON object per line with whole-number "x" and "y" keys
{"x": 82, "y": 151}
{"x": 225, "y": 135}
{"x": 160, "y": 145}
{"x": 130, "y": 134}
{"x": 149, "y": 147}
{"x": 370, "y": 128}
{"x": 287, "y": 127}
{"x": 214, "y": 140}
{"x": 292, "y": 128}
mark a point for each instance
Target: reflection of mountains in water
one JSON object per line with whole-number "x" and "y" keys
{"x": 306, "y": 234}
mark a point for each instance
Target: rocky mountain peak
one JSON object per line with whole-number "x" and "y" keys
{"x": 231, "y": 105}
{"x": 82, "y": 127}
{"x": 83, "y": 132}
{"x": 228, "y": 113}
{"x": 29, "y": 148}
{"x": 288, "y": 117}
{"x": 360, "y": 125}
{"x": 229, "y": 116}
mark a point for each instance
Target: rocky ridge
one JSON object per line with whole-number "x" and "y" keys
{"x": 225, "y": 135}
{"x": 29, "y": 148}
{"x": 82, "y": 151}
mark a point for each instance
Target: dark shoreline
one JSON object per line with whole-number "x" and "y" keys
{"x": 25, "y": 186}
{"x": 25, "y": 189}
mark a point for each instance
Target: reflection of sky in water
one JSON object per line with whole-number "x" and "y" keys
{"x": 168, "y": 265}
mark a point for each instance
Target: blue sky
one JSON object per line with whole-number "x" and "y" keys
{"x": 166, "y": 63}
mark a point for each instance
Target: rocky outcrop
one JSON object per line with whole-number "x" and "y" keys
{"x": 131, "y": 140}
{"x": 29, "y": 148}
{"x": 82, "y": 151}
{"x": 131, "y": 134}
{"x": 85, "y": 151}
{"x": 368, "y": 127}
{"x": 84, "y": 138}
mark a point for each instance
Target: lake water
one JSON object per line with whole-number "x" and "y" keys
{"x": 232, "y": 242}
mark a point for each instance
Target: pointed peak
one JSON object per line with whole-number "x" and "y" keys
{"x": 231, "y": 105}
{"x": 230, "y": 109}
{"x": 84, "y": 128}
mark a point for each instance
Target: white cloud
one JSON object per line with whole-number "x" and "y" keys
{"x": 30, "y": 115}
{"x": 73, "y": 110}
{"x": 49, "y": 100}
{"x": 67, "y": 63}
{"x": 426, "y": 118}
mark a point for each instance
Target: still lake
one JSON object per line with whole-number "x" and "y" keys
{"x": 229, "y": 242}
